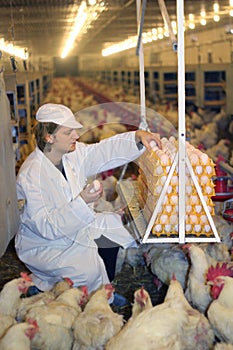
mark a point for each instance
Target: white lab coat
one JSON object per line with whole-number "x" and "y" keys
{"x": 57, "y": 231}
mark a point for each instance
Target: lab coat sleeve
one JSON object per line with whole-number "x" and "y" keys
{"x": 46, "y": 218}
{"x": 110, "y": 153}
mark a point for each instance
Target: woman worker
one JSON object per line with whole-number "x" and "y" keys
{"x": 59, "y": 229}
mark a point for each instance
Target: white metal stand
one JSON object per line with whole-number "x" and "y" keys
{"x": 181, "y": 157}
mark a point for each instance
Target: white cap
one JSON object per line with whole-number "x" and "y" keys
{"x": 58, "y": 114}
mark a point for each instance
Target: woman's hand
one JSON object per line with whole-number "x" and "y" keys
{"x": 91, "y": 194}
{"x": 148, "y": 139}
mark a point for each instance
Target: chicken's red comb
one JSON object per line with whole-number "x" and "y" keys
{"x": 109, "y": 287}
{"x": 69, "y": 281}
{"x": 221, "y": 269}
{"x": 85, "y": 290}
{"x": 173, "y": 277}
{"x": 25, "y": 276}
{"x": 186, "y": 246}
{"x": 142, "y": 291}
{"x": 32, "y": 322}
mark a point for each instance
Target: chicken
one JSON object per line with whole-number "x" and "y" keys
{"x": 217, "y": 251}
{"x": 120, "y": 260}
{"x": 220, "y": 149}
{"x": 224, "y": 229}
{"x": 142, "y": 302}
{"x": 220, "y": 310}
{"x": 136, "y": 256}
{"x": 6, "y": 322}
{"x": 11, "y": 292}
{"x": 197, "y": 291}
{"x": 63, "y": 310}
{"x": 174, "y": 324}
{"x": 207, "y": 135}
{"x": 19, "y": 336}
{"x": 97, "y": 323}
{"x": 164, "y": 262}
{"x": 160, "y": 327}
{"x": 42, "y": 298}
{"x": 62, "y": 286}
{"x": 56, "y": 320}
{"x": 223, "y": 346}
{"x": 52, "y": 337}
{"x": 198, "y": 332}
{"x": 110, "y": 200}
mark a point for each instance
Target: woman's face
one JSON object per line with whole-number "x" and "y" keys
{"x": 64, "y": 140}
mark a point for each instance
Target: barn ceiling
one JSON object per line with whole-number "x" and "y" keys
{"x": 43, "y": 26}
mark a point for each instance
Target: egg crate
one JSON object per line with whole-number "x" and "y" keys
{"x": 155, "y": 167}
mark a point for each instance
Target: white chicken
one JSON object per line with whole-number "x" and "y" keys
{"x": 216, "y": 251}
{"x": 221, "y": 148}
{"x": 97, "y": 323}
{"x": 197, "y": 291}
{"x": 6, "y": 322}
{"x": 174, "y": 324}
{"x": 157, "y": 328}
{"x": 135, "y": 257}
{"x": 198, "y": 332}
{"x": 42, "y": 298}
{"x": 52, "y": 337}
{"x": 142, "y": 302}
{"x": 224, "y": 229}
{"x": 164, "y": 262}
{"x": 63, "y": 310}
{"x": 223, "y": 346}
{"x": 56, "y": 320}
{"x": 61, "y": 286}
{"x": 207, "y": 135}
{"x": 220, "y": 310}
{"x": 11, "y": 292}
{"x": 19, "y": 336}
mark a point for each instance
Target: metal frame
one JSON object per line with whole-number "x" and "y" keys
{"x": 181, "y": 157}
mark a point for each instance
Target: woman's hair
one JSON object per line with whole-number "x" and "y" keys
{"x": 41, "y": 130}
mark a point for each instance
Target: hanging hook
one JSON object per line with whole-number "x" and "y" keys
{"x": 2, "y": 67}
{"x": 13, "y": 63}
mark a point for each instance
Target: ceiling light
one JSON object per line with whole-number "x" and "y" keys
{"x": 216, "y": 7}
{"x": 203, "y": 17}
{"x": 203, "y": 21}
{"x": 13, "y": 50}
{"x": 85, "y": 16}
{"x": 121, "y": 46}
{"x": 191, "y": 25}
{"x": 161, "y": 32}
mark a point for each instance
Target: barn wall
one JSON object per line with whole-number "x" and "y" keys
{"x": 9, "y": 217}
